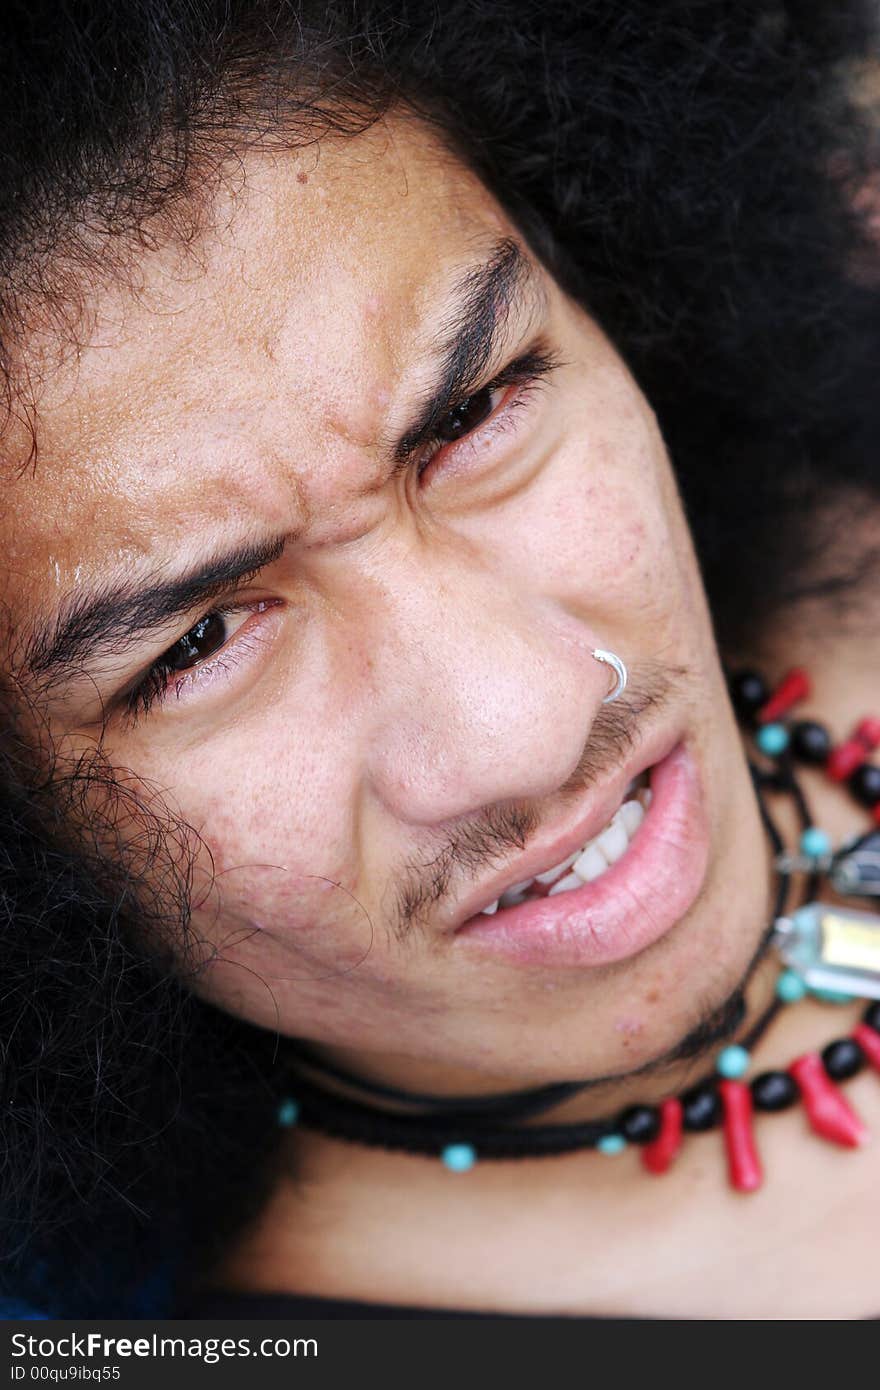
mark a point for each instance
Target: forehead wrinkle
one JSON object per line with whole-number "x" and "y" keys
{"x": 349, "y": 357}
{"x": 248, "y": 298}
{"x": 190, "y": 514}
{"x": 183, "y": 487}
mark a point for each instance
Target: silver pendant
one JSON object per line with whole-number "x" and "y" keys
{"x": 853, "y": 870}
{"x": 833, "y": 948}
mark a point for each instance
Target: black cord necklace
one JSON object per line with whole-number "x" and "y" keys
{"x": 463, "y": 1130}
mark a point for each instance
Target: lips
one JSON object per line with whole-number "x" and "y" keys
{"x": 550, "y": 851}
{"x": 632, "y": 905}
{"x": 591, "y": 859}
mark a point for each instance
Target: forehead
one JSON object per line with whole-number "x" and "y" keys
{"x": 244, "y": 375}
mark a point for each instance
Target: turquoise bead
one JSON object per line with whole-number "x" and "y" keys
{"x": 790, "y": 987}
{"x": 288, "y": 1113}
{"x": 832, "y": 996}
{"x": 732, "y": 1061}
{"x": 772, "y": 739}
{"x": 815, "y": 843}
{"x": 458, "y": 1158}
{"x": 611, "y": 1144}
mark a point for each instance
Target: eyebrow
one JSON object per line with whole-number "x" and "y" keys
{"x": 90, "y": 627}
{"x": 484, "y": 300}
{"x": 106, "y": 623}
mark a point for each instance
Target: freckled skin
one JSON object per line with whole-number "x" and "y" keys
{"x": 428, "y": 654}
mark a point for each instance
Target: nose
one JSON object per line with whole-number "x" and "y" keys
{"x": 477, "y": 695}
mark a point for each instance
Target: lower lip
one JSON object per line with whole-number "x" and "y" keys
{"x": 632, "y": 905}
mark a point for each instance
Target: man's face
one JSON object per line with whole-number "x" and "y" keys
{"x": 328, "y": 517}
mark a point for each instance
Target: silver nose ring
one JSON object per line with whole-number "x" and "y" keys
{"x": 619, "y": 670}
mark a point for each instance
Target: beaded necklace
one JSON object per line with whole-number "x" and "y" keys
{"x": 827, "y": 952}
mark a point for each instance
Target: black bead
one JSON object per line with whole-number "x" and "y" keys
{"x": 871, "y": 1016}
{"x": 810, "y": 742}
{"x": 640, "y": 1124}
{"x": 749, "y": 692}
{"x": 865, "y": 784}
{"x": 774, "y": 1090}
{"x": 701, "y": 1108}
{"x": 843, "y": 1058}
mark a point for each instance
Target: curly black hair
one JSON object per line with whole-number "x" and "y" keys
{"x": 699, "y": 174}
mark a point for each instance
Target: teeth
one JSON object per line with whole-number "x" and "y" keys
{"x": 632, "y": 814}
{"x": 549, "y": 875}
{"x": 590, "y": 864}
{"x": 613, "y": 840}
{"x": 516, "y": 893}
{"x": 564, "y": 884}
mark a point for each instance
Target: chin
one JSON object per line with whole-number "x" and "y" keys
{"x": 679, "y": 999}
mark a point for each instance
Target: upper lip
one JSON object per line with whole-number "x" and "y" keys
{"x": 552, "y": 849}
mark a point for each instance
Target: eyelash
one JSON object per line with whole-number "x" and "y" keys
{"x": 155, "y": 687}
{"x": 526, "y": 371}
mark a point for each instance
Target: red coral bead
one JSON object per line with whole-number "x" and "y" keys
{"x": 845, "y": 759}
{"x": 793, "y": 687}
{"x": 869, "y": 1041}
{"x": 743, "y": 1163}
{"x": 658, "y": 1155}
{"x": 868, "y": 733}
{"x": 828, "y": 1112}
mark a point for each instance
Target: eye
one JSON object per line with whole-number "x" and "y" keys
{"x": 469, "y": 415}
{"x": 229, "y": 632}
{"x": 495, "y": 398}
{"x": 203, "y": 640}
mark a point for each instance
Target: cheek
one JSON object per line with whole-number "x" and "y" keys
{"x": 273, "y": 814}
{"x": 262, "y": 915}
{"x": 272, "y": 915}
{"x": 268, "y": 845}
{"x": 283, "y": 947}
{"x": 604, "y": 526}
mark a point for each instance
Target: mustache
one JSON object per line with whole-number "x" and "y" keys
{"x": 499, "y": 830}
